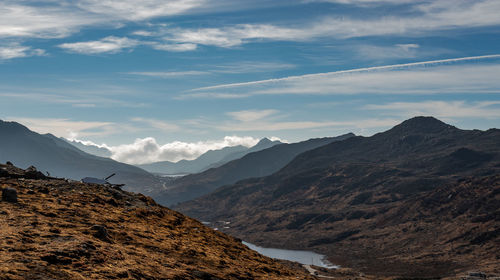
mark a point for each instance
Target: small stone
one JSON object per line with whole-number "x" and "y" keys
{"x": 112, "y": 202}
{"x": 55, "y": 230}
{"x": 9, "y": 195}
{"x": 101, "y": 232}
{"x": 204, "y": 275}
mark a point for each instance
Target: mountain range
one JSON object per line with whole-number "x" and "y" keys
{"x": 255, "y": 164}
{"x": 419, "y": 200}
{"x": 210, "y": 159}
{"x": 51, "y": 154}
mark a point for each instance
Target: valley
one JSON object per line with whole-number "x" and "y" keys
{"x": 419, "y": 200}
{"x": 249, "y": 140}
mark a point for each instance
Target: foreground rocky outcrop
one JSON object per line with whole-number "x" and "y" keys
{"x": 61, "y": 229}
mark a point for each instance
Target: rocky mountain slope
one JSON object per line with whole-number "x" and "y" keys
{"x": 57, "y": 229}
{"x": 256, "y": 164}
{"x": 210, "y": 159}
{"x": 419, "y": 200}
{"x": 48, "y": 153}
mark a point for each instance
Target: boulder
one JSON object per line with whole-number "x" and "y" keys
{"x": 100, "y": 232}
{"x": 9, "y": 195}
{"x": 33, "y": 173}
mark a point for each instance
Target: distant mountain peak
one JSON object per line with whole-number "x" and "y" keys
{"x": 12, "y": 126}
{"x": 422, "y": 124}
{"x": 264, "y": 140}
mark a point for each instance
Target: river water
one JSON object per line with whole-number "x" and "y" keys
{"x": 303, "y": 257}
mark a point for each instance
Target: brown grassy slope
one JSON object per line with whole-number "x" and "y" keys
{"x": 55, "y": 231}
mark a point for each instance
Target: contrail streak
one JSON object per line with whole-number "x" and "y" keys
{"x": 367, "y": 69}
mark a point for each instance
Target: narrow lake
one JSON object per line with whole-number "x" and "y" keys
{"x": 303, "y": 257}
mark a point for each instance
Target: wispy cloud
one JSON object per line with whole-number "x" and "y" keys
{"x": 216, "y": 95}
{"x": 428, "y": 17}
{"x": 365, "y": 2}
{"x": 75, "y": 98}
{"x": 16, "y": 50}
{"x": 273, "y": 120}
{"x": 53, "y": 19}
{"x": 252, "y": 67}
{"x": 436, "y": 76}
{"x": 158, "y": 124}
{"x": 66, "y": 127}
{"x": 42, "y": 21}
{"x": 57, "y": 19}
{"x": 358, "y": 70}
{"x": 232, "y": 68}
{"x": 171, "y": 74}
{"x": 251, "y": 115}
{"x": 109, "y": 44}
{"x": 302, "y": 125}
{"x": 440, "y": 109}
{"x": 388, "y": 52}
{"x": 133, "y": 10}
{"x": 180, "y": 47}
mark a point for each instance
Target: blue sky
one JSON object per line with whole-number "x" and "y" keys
{"x": 165, "y": 80}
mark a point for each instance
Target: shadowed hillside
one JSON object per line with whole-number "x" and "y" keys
{"x": 257, "y": 164}
{"x": 419, "y": 200}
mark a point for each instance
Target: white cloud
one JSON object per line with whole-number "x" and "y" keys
{"x": 358, "y": 70}
{"x": 300, "y": 125}
{"x": 172, "y": 74}
{"x": 143, "y": 33}
{"x": 365, "y": 2}
{"x": 16, "y": 50}
{"x": 42, "y": 21}
{"x": 251, "y": 115}
{"x": 234, "y": 68}
{"x": 84, "y": 105}
{"x": 235, "y": 35}
{"x": 270, "y": 120}
{"x": 66, "y": 127}
{"x": 157, "y": 124}
{"x": 79, "y": 98}
{"x": 441, "y": 109}
{"x": 56, "y": 19}
{"x": 388, "y": 52}
{"x": 411, "y": 78}
{"x": 217, "y": 95}
{"x": 430, "y": 16}
{"x": 183, "y": 47}
{"x": 139, "y": 10}
{"x": 109, "y": 44}
{"x": 147, "y": 150}
{"x": 112, "y": 44}
{"x": 252, "y": 67}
